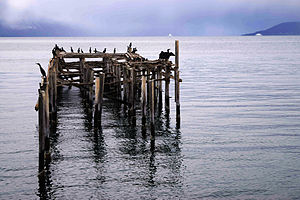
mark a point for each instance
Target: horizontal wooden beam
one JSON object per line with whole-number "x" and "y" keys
{"x": 92, "y": 55}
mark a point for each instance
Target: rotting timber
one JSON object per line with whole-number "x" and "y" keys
{"x": 128, "y": 78}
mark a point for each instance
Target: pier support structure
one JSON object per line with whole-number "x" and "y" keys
{"x": 128, "y": 78}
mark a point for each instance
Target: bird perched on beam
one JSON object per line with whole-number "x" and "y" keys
{"x": 53, "y": 53}
{"x": 81, "y": 51}
{"x": 42, "y": 70}
{"x": 104, "y": 51}
{"x": 95, "y": 51}
{"x": 129, "y": 47}
{"x": 90, "y": 50}
{"x": 134, "y": 50}
{"x": 56, "y": 47}
{"x": 115, "y": 50}
{"x": 166, "y": 55}
{"x": 78, "y": 50}
{"x": 72, "y": 50}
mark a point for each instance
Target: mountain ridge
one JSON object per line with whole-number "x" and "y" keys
{"x": 39, "y": 29}
{"x": 286, "y": 28}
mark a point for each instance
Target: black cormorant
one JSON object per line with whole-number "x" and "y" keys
{"x": 166, "y": 55}
{"x": 95, "y": 51}
{"x": 134, "y": 50}
{"x": 104, "y": 51}
{"x": 53, "y": 53}
{"x": 72, "y": 50}
{"x": 42, "y": 70}
{"x": 90, "y": 50}
{"x": 81, "y": 51}
{"x": 115, "y": 50}
{"x": 78, "y": 50}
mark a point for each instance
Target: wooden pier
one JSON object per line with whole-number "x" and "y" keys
{"x": 128, "y": 78}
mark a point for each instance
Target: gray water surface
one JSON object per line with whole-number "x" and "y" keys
{"x": 239, "y": 135}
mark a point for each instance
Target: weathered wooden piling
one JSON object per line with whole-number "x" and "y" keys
{"x": 152, "y": 136}
{"x": 42, "y": 131}
{"x": 99, "y": 90}
{"x": 81, "y": 69}
{"x": 176, "y": 76}
{"x": 159, "y": 87}
{"x": 125, "y": 85}
{"x": 90, "y": 87}
{"x": 46, "y": 120}
{"x": 167, "y": 89}
{"x": 144, "y": 103}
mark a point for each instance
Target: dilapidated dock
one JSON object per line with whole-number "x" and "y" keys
{"x": 128, "y": 78}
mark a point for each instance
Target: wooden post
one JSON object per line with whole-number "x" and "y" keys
{"x": 132, "y": 92}
{"x": 81, "y": 69}
{"x": 42, "y": 130}
{"x": 138, "y": 85}
{"x": 99, "y": 89}
{"x": 118, "y": 83}
{"x": 159, "y": 85}
{"x": 50, "y": 93}
{"x": 54, "y": 77}
{"x": 177, "y": 99}
{"x": 46, "y": 121}
{"x": 91, "y": 81}
{"x": 125, "y": 85}
{"x": 167, "y": 89}
{"x": 144, "y": 103}
{"x": 148, "y": 86}
{"x": 152, "y": 136}
{"x": 155, "y": 89}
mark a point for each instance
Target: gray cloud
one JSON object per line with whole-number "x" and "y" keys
{"x": 157, "y": 17}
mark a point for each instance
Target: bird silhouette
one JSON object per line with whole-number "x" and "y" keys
{"x": 134, "y": 50}
{"x": 42, "y": 70}
{"x": 53, "y": 53}
{"x": 72, "y": 50}
{"x": 115, "y": 50}
{"x": 130, "y": 44}
{"x": 90, "y": 50}
{"x": 78, "y": 50}
{"x": 81, "y": 51}
{"x": 166, "y": 55}
{"x": 104, "y": 51}
{"x": 56, "y": 47}
{"x": 95, "y": 51}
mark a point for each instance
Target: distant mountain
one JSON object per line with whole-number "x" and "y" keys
{"x": 287, "y": 28}
{"x": 39, "y": 29}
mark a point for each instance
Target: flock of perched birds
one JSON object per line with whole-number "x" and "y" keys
{"x": 163, "y": 55}
{"x": 79, "y": 50}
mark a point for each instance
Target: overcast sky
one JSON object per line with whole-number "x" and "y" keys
{"x": 156, "y": 17}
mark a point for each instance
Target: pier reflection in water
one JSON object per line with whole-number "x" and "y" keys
{"x": 114, "y": 161}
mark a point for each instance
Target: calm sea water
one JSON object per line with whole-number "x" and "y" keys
{"x": 239, "y": 136}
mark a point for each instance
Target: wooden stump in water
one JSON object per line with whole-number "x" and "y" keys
{"x": 176, "y": 76}
{"x": 144, "y": 103}
{"x": 152, "y": 136}
{"x": 99, "y": 90}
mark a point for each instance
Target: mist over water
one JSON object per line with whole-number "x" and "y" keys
{"x": 239, "y": 135}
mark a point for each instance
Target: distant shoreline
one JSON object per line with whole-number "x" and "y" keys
{"x": 283, "y": 29}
